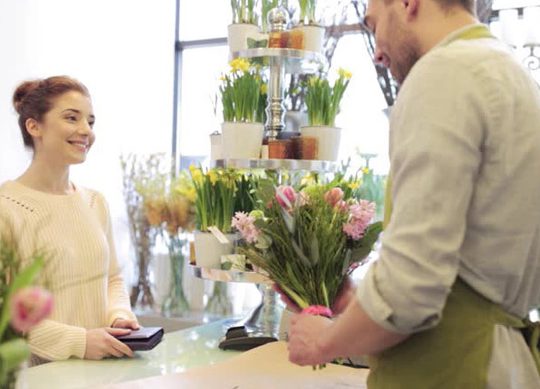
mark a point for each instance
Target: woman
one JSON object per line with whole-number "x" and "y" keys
{"x": 45, "y": 211}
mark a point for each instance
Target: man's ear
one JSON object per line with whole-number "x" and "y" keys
{"x": 410, "y": 7}
{"x": 32, "y": 127}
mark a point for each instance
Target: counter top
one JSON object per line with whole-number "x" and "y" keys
{"x": 177, "y": 352}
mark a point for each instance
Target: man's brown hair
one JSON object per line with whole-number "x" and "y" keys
{"x": 469, "y": 5}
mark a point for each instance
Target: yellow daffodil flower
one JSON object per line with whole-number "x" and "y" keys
{"x": 308, "y": 179}
{"x": 354, "y": 185}
{"x": 343, "y": 73}
{"x": 196, "y": 174}
{"x": 212, "y": 176}
{"x": 239, "y": 64}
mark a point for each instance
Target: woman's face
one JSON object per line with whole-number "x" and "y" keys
{"x": 65, "y": 134}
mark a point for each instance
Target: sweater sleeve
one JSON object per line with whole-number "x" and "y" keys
{"x": 55, "y": 341}
{"x": 118, "y": 299}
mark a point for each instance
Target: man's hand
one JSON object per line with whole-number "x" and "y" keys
{"x": 305, "y": 335}
{"x": 101, "y": 343}
{"x": 344, "y": 296}
{"x": 125, "y": 323}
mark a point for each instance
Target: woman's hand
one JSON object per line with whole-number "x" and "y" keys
{"x": 125, "y": 323}
{"x": 101, "y": 343}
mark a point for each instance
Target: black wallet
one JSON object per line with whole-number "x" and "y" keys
{"x": 145, "y": 338}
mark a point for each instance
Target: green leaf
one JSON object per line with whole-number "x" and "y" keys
{"x": 12, "y": 354}
{"x": 23, "y": 279}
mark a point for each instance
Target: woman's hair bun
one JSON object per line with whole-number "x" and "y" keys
{"x": 21, "y": 92}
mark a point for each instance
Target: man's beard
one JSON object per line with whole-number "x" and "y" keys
{"x": 403, "y": 62}
{"x": 406, "y": 52}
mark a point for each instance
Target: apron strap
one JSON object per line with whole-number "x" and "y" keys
{"x": 531, "y": 332}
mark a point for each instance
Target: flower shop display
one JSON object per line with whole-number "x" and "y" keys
{"x": 240, "y": 91}
{"x": 172, "y": 213}
{"x": 141, "y": 180}
{"x": 243, "y": 26}
{"x": 22, "y": 306}
{"x": 322, "y": 102}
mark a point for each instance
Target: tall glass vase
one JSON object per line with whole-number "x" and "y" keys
{"x": 175, "y": 304}
{"x": 219, "y": 303}
{"x": 143, "y": 238}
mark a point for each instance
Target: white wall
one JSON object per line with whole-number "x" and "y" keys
{"x": 123, "y": 50}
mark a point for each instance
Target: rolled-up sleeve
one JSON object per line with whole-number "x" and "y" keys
{"x": 435, "y": 152}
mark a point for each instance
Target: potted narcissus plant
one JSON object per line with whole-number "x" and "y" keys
{"x": 312, "y": 33}
{"x": 243, "y": 26}
{"x": 214, "y": 207}
{"x": 240, "y": 91}
{"x": 322, "y": 102}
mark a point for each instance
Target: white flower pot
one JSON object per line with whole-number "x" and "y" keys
{"x": 241, "y": 140}
{"x": 208, "y": 250}
{"x": 313, "y": 37}
{"x": 238, "y": 34}
{"x": 328, "y": 137}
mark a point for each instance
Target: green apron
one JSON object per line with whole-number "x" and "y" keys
{"x": 456, "y": 353}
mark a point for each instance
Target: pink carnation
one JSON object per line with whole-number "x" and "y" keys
{"x": 286, "y": 196}
{"x": 245, "y": 224}
{"x": 28, "y": 307}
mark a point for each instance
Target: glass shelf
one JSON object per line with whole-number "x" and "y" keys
{"x": 275, "y": 164}
{"x": 228, "y": 275}
{"x": 265, "y": 318}
{"x": 293, "y": 60}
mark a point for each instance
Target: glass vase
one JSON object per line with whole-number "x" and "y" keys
{"x": 142, "y": 294}
{"x": 175, "y": 304}
{"x": 219, "y": 303}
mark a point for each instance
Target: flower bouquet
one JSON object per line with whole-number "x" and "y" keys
{"x": 21, "y": 308}
{"x": 309, "y": 241}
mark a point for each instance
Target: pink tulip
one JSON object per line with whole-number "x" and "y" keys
{"x": 333, "y": 196}
{"x": 28, "y": 307}
{"x": 286, "y": 196}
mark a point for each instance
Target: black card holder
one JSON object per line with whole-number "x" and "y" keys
{"x": 143, "y": 339}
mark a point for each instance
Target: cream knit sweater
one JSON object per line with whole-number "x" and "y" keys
{"x": 81, "y": 269}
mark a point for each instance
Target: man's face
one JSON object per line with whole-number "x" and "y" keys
{"x": 396, "y": 46}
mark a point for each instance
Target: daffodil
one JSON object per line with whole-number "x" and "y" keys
{"x": 196, "y": 174}
{"x": 343, "y": 73}
{"x": 308, "y": 179}
{"x": 354, "y": 185}
{"x": 213, "y": 177}
{"x": 239, "y": 64}
{"x": 322, "y": 99}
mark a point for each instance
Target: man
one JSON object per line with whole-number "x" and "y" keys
{"x": 459, "y": 264}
